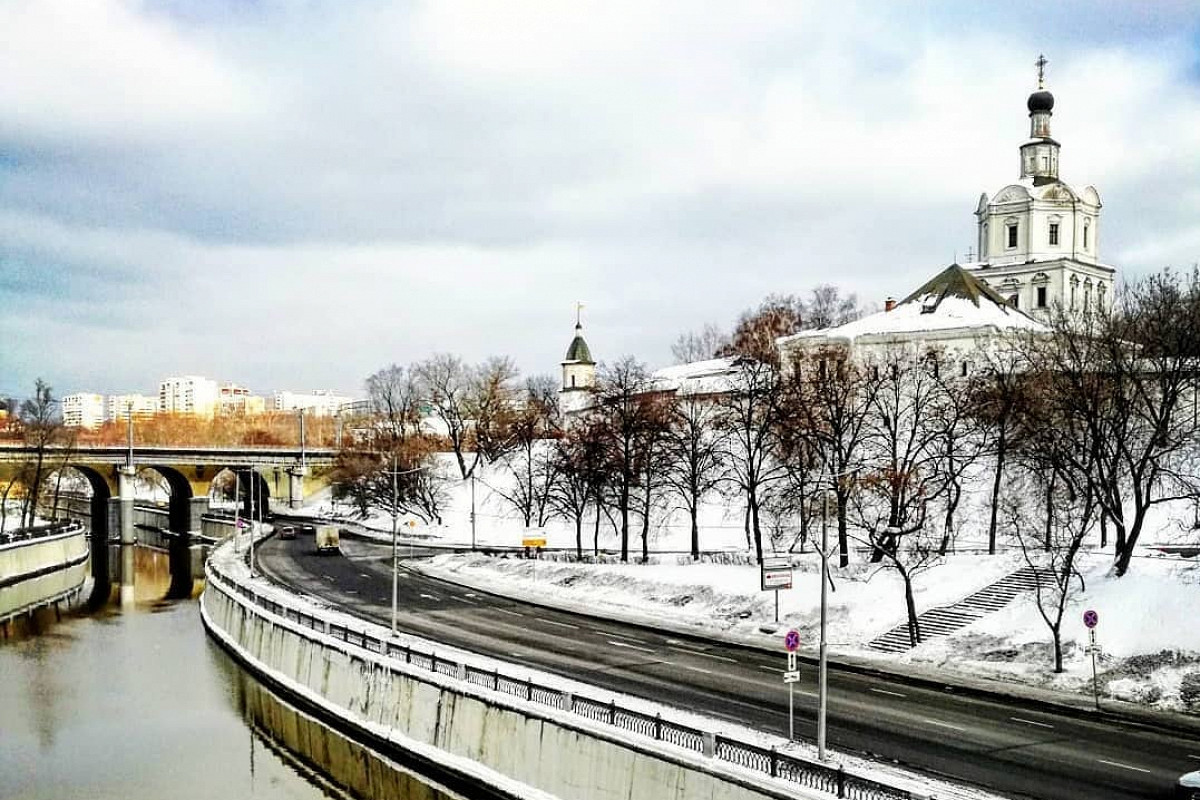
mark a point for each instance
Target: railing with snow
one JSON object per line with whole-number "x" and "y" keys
{"x": 810, "y": 774}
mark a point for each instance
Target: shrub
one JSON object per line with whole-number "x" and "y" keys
{"x": 1189, "y": 690}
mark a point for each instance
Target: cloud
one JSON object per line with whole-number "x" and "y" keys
{"x": 291, "y": 195}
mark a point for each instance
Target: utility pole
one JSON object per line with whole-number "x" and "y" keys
{"x": 237, "y": 522}
{"x": 129, "y": 435}
{"x": 395, "y": 556}
{"x": 253, "y": 491}
{"x": 302, "y": 456}
{"x": 823, "y": 686}
{"x": 472, "y": 511}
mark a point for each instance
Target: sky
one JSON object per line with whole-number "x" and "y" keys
{"x": 292, "y": 195}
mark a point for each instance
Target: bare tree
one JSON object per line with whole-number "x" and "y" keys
{"x": 757, "y": 329}
{"x": 492, "y": 407}
{"x": 531, "y": 460}
{"x": 43, "y": 427}
{"x": 694, "y": 448}
{"x": 445, "y": 384}
{"x": 828, "y": 307}
{"x": 1120, "y": 382}
{"x": 653, "y": 461}
{"x": 996, "y": 400}
{"x": 699, "y": 345}
{"x": 621, "y": 413}
{"x": 394, "y": 393}
{"x": 750, "y": 415}
{"x": 581, "y": 465}
{"x": 830, "y": 399}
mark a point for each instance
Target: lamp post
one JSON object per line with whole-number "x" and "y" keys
{"x": 823, "y": 647}
{"x": 395, "y": 537}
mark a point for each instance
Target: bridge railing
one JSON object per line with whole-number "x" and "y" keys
{"x": 805, "y": 772}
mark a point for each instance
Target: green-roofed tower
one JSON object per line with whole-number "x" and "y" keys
{"x": 578, "y": 369}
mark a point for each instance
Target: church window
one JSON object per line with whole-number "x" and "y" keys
{"x": 1053, "y": 233}
{"x": 572, "y": 381}
{"x": 964, "y": 369}
{"x": 1014, "y": 301}
{"x": 1074, "y": 286}
{"x": 1045, "y": 163}
{"x": 1087, "y": 226}
{"x": 1041, "y": 297}
{"x": 1012, "y": 234}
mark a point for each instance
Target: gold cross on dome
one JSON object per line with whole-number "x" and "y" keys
{"x": 1041, "y": 65}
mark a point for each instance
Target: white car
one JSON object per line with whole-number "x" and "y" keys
{"x": 1188, "y": 787}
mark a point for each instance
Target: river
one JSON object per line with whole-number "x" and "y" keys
{"x": 137, "y": 702}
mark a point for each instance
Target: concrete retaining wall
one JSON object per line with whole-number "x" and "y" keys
{"x": 496, "y": 739}
{"x": 37, "y": 572}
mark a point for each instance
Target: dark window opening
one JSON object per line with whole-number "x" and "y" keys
{"x": 1012, "y": 235}
{"x": 1041, "y": 297}
{"x": 1014, "y": 301}
{"x": 964, "y": 369}
{"x": 1053, "y": 233}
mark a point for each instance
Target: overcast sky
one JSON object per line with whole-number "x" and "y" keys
{"x": 291, "y": 195}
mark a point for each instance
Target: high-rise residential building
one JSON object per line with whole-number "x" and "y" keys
{"x": 119, "y": 406}
{"x": 319, "y": 402}
{"x": 83, "y": 410}
{"x": 237, "y": 400}
{"x": 188, "y": 394}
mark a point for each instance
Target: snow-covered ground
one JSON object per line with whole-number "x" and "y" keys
{"x": 1147, "y": 630}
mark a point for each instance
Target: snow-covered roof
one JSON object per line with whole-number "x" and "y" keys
{"x": 698, "y": 377}
{"x": 953, "y": 300}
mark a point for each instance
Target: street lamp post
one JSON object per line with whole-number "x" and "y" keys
{"x": 822, "y": 690}
{"x": 395, "y": 537}
{"x": 823, "y": 647}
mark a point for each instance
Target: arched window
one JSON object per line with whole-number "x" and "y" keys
{"x": 1087, "y": 228}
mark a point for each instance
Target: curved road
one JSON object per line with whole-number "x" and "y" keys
{"x": 1003, "y": 746}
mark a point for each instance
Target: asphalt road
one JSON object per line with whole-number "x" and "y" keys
{"x": 1004, "y": 746}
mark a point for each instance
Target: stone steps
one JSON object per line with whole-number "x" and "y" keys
{"x": 948, "y": 619}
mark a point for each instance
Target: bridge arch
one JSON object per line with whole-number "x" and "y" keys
{"x": 102, "y": 493}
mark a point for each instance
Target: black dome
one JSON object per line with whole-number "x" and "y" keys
{"x": 1041, "y": 101}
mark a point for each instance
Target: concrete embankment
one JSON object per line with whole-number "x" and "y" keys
{"x": 47, "y": 568}
{"x": 472, "y": 724}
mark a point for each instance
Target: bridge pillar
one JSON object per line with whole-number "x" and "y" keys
{"x": 197, "y": 508}
{"x": 125, "y": 476}
{"x": 296, "y": 486}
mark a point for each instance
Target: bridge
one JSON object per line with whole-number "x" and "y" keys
{"x": 188, "y": 473}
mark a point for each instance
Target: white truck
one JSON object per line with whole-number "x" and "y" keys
{"x": 327, "y": 539}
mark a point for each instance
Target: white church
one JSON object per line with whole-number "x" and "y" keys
{"x": 1038, "y": 245}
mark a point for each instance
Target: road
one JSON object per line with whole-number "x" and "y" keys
{"x": 1006, "y": 747}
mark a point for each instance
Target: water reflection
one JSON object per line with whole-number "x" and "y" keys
{"x": 139, "y": 703}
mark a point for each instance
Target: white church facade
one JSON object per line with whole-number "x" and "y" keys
{"x": 1039, "y": 238}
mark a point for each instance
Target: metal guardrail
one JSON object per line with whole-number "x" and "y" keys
{"x": 769, "y": 761}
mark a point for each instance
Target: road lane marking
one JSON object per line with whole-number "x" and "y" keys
{"x": 1195, "y": 757}
{"x": 702, "y": 653}
{"x": 430, "y": 596}
{"x": 618, "y": 636}
{"x": 770, "y": 669}
{"x": 470, "y": 594}
{"x": 510, "y": 613}
{"x": 352, "y": 591}
{"x": 1032, "y": 722}
{"x": 887, "y": 692}
{"x": 561, "y": 624}
{"x": 693, "y": 669}
{"x": 462, "y": 599}
{"x": 1122, "y": 766}
{"x": 944, "y": 724}
{"x": 630, "y": 646}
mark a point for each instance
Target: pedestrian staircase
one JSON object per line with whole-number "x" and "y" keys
{"x": 947, "y": 619}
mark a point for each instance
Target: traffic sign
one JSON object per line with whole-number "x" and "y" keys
{"x": 776, "y": 573}
{"x": 791, "y": 640}
{"x": 1091, "y": 618}
{"x": 792, "y": 676}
